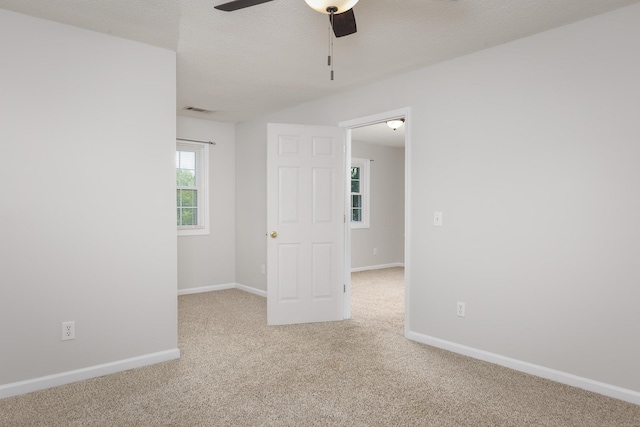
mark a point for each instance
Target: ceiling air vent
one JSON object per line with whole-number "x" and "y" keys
{"x": 198, "y": 110}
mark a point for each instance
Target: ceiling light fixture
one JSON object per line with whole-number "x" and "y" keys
{"x": 331, "y": 8}
{"x": 327, "y": 6}
{"x": 395, "y": 123}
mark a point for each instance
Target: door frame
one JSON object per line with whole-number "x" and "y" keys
{"x": 365, "y": 121}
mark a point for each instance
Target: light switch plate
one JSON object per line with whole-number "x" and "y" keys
{"x": 437, "y": 219}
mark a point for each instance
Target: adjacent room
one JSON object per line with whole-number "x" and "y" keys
{"x": 191, "y": 208}
{"x": 377, "y": 224}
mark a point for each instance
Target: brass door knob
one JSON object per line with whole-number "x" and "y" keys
{"x": 273, "y": 234}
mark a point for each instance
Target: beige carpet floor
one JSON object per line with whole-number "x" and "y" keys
{"x": 236, "y": 371}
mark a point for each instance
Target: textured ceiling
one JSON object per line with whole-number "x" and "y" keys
{"x": 274, "y": 55}
{"x": 379, "y": 134}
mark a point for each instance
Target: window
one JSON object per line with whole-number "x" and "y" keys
{"x": 192, "y": 176}
{"x": 359, "y": 193}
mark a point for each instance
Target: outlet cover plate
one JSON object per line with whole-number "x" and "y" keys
{"x": 68, "y": 330}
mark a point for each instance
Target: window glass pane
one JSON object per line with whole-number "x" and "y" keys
{"x": 356, "y": 201}
{"x": 186, "y": 168}
{"x": 188, "y": 216}
{"x": 356, "y": 215}
{"x": 185, "y": 178}
{"x": 355, "y": 173}
{"x": 187, "y": 202}
{"x": 188, "y": 198}
{"x": 355, "y": 179}
{"x": 187, "y": 160}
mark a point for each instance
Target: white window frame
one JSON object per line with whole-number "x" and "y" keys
{"x": 202, "y": 187}
{"x": 363, "y": 164}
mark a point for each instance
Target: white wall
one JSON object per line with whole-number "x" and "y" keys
{"x": 87, "y": 204}
{"x": 386, "y": 230}
{"x": 531, "y": 151}
{"x": 209, "y": 260}
{"x": 251, "y": 204}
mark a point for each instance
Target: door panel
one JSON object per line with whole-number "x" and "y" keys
{"x": 289, "y": 265}
{"x": 323, "y": 189}
{"x": 288, "y": 183}
{"x": 305, "y": 207}
{"x": 322, "y": 270}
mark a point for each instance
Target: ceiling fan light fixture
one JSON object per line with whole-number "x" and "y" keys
{"x": 395, "y": 123}
{"x": 325, "y": 6}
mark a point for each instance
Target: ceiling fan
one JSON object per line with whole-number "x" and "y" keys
{"x": 341, "y": 17}
{"x": 340, "y": 12}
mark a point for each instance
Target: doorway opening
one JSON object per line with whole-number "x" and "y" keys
{"x": 376, "y": 245}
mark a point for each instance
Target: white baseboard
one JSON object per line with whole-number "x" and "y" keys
{"x": 377, "y": 267}
{"x": 251, "y": 290}
{"x": 206, "y": 289}
{"x": 238, "y": 286}
{"x": 616, "y": 392}
{"x": 49, "y": 381}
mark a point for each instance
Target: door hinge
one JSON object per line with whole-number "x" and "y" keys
{"x": 344, "y": 219}
{"x": 344, "y": 289}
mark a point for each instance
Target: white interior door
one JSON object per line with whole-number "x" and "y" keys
{"x": 306, "y": 225}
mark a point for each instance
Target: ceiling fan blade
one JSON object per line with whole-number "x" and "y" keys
{"x": 238, "y": 4}
{"x": 344, "y": 23}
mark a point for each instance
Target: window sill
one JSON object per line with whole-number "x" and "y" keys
{"x": 199, "y": 231}
{"x": 355, "y": 225}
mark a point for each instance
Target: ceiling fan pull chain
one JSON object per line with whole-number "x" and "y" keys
{"x": 329, "y": 55}
{"x": 331, "y": 10}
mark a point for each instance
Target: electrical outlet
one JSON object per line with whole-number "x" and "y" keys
{"x": 375, "y": 251}
{"x": 460, "y": 309}
{"x": 68, "y": 330}
{"x": 263, "y": 269}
